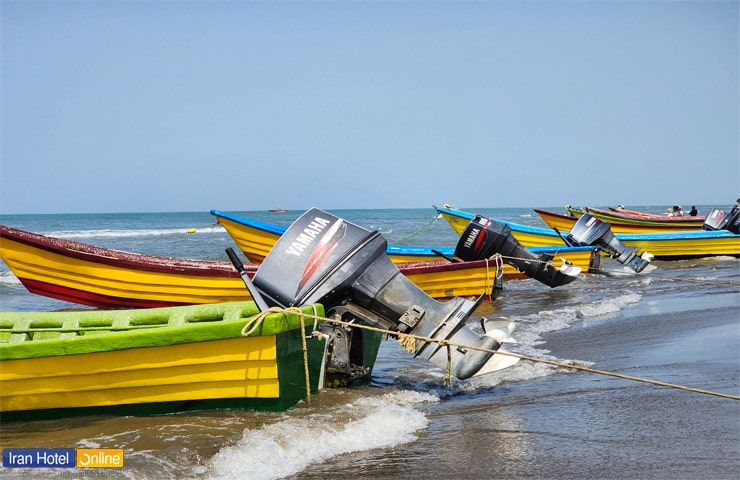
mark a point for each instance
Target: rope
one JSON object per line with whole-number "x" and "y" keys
{"x": 425, "y": 227}
{"x": 499, "y": 264}
{"x": 405, "y": 338}
{"x": 305, "y": 358}
{"x": 523, "y": 259}
{"x": 256, "y": 321}
{"x": 407, "y": 341}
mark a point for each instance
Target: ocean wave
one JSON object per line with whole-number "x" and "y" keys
{"x": 289, "y": 446}
{"x": 105, "y": 233}
{"x": 528, "y": 335}
{"x": 8, "y": 278}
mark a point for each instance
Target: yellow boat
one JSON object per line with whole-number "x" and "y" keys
{"x": 659, "y": 223}
{"x": 664, "y": 246}
{"x": 100, "y": 277}
{"x": 88, "y": 275}
{"x": 527, "y": 236}
{"x": 158, "y": 360}
{"x": 255, "y": 239}
{"x": 564, "y": 223}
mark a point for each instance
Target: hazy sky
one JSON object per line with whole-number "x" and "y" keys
{"x": 187, "y": 106}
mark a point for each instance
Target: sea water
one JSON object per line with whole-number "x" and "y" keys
{"x": 678, "y": 322}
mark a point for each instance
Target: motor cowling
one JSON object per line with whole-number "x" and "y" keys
{"x": 483, "y": 238}
{"x": 719, "y": 220}
{"x": 591, "y": 231}
{"x": 324, "y": 259}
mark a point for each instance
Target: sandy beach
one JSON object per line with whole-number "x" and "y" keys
{"x": 589, "y": 426}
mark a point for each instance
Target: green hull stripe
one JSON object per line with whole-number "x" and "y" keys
{"x": 176, "y": 325}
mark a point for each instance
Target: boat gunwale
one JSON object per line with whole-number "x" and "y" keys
{"x": 119, "y": 258}
{"x": 234, "y": 317}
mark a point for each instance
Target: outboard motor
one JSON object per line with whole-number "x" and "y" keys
{"x": 719, "y": 220}
{"x": 483, "y": 238}
{"x": 325, "y": 259}
{"x": 591, "y": 231}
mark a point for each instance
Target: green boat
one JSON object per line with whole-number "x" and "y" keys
{"x": 165, "y": 360}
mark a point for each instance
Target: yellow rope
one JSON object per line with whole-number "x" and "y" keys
{"x": 406, "y": 337}
{"x": 255, "y": 321}
{"x": 305, "y": 360}
{"x": 407, "y": 341}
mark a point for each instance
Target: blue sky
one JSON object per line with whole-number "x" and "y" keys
{"x": 187, "y": 106}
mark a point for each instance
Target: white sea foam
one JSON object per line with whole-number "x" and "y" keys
{"x": 289, "y": 446}
{"x": 8, "y": 278}
{"x": 559, "y": 319}
{"x": 528, "y": 332}
{"x": 105, "y": 233}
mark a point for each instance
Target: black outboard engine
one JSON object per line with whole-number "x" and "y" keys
{"x": 325, "y": 259}
{"x": 719, "y": 220}
{"x": 591, "y": 231}
{"x": 483, "y": 238}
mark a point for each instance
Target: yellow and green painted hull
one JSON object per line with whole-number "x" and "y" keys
{"x": 155, "y": 360}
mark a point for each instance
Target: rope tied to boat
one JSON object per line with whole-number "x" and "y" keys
{"x": 570, "y": 365}
{"x": 256, "y": 321}
{"x": 408, "y": 342}
{"x": 498, "y": 262}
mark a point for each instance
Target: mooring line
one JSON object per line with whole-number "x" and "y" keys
{"x": 405, "y": 340}
{"x": 413, "y": 234}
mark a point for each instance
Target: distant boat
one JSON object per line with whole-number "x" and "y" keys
{"x": 664, "y": 246}
{"x": 565, "y": 222}
{"x": 681, "y": 222}
{"x": 277, "y": 210}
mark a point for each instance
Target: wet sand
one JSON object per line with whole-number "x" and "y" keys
{"x": 589, "y": 426}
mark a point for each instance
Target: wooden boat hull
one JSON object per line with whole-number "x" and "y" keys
{"x": 684, "y": 245}
{"x": 663, "y": 221}
{"x": 255, "y": 239}
{"x": 527, "y": 236}
{"x": 623, "y": 210}
{"x": 442, "y": 279}
{"x": 665, "y": 246}
{"x": 155, "y": 360}
{"x": 565, "y": 222}
{"x": 100, "y": 277}
{"x": 88, "y": 275}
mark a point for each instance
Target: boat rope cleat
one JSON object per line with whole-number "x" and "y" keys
{"x": 484, "y": 238}
{"x": 324, "y": 259}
